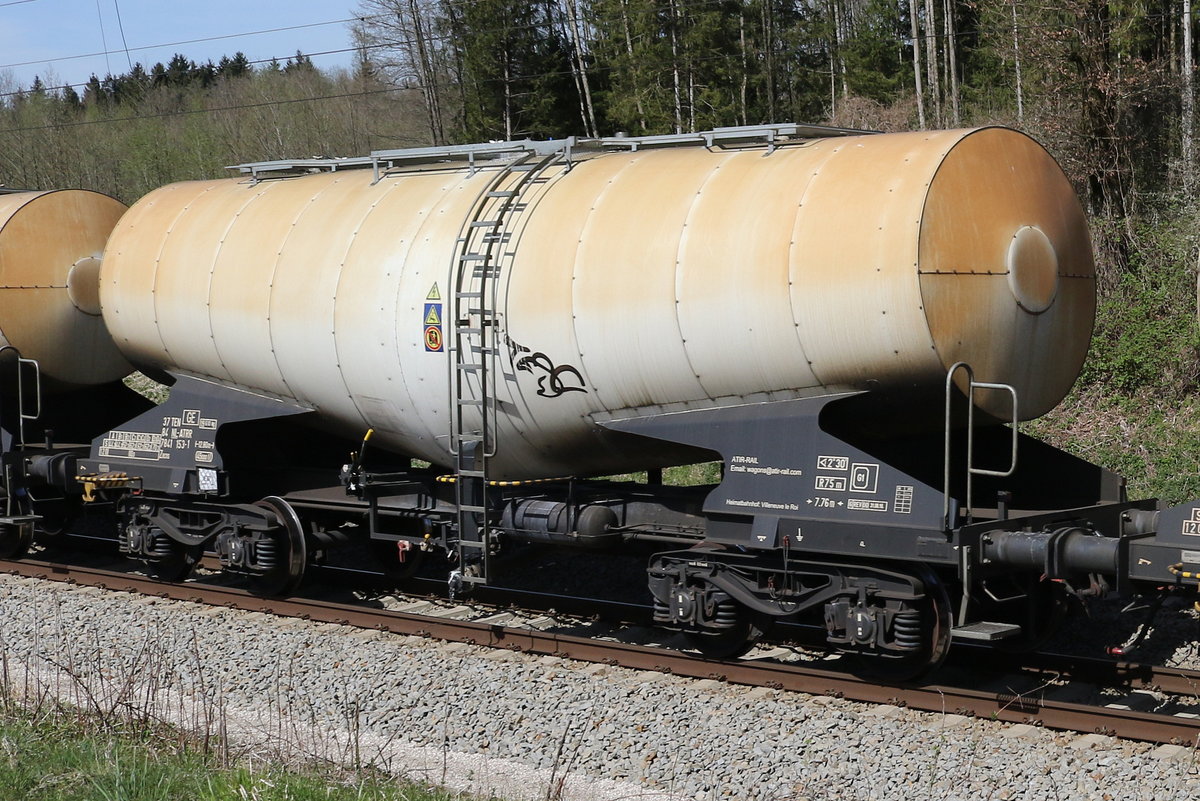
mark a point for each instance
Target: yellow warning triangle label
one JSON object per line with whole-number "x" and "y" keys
{"x": 432, "y": 317}
{"x": 433, "y": 293}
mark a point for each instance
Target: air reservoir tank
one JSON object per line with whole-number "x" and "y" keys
{"x": 631, "y": 281}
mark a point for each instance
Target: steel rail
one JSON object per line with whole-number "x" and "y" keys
{"x": 1108, "y": 673}
{"x": 1105, "y": 672}
{"x": 1014, "y": 708}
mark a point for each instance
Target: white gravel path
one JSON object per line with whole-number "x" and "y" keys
{"x": 520, "y": 727}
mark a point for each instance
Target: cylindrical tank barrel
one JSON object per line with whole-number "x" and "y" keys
{"x": 50, "y": 249}
{"x": 636, "y": 282}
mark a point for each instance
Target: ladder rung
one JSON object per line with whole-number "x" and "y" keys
{"x": 468, "y": 294}
{"x": 470, "y": 368}
{"x": 471, "y": 473}
{"x": 485, "y": 223}
{"x": 467, "y": 331}
{"x": 473, "y": 257}
{"x": 502, "y": 193}
{"x": 477, "y": 509}
{"x": 470, "y": 544}
{"x": 470, "y": 402}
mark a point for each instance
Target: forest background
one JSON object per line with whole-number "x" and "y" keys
{"x": 1107, "y": 87}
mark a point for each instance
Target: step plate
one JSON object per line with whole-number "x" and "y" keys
{"x": 986, "y": 631}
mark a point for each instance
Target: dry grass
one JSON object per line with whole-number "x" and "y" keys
{"x": 1151, "y": 440}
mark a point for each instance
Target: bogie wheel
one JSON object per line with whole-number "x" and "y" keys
{"x": 733, "y": 642}
{"x": 292, "y": 551}
{"x": 937, "y": 619}
{"x": 178, "y": 566}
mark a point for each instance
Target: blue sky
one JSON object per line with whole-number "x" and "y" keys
{"x": 49, "y": 33}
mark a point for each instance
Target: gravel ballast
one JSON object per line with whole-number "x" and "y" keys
{"x": 520, "y": 727}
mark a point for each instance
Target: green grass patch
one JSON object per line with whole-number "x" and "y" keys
{"x": 1135, "y": 409}
{"x": 147, "y": 387}
{"x": 1150, "y": 438}
{"x": 61, "y": 755}
{"x": 684, "y": 475}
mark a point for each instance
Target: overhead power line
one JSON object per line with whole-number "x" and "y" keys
{"x": 103, "y": 38}
{"x": 398, "y": 42}
{"x": 391, "y": 43}
{"x": 121, "y": 28}
{"x": 107, "y": 52}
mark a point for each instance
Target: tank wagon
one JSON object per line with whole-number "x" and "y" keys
{"x": 438, "y": 350}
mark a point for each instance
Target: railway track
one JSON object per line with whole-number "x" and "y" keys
{"x": 1031, "y": 706}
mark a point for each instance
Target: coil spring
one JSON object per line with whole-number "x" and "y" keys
{"x": 266, "y": 553}
{"x": 157, "y": 545}
{"x": 906, "y": 630}
{"x": 662, "y": 614}
{"x": 725, "y": 614}
{"x": 161, "y": 546}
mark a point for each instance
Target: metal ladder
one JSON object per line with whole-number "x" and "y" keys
{"x": 972, "y": 470}
{"x": 17, "y": 517}
{"x": 22, "y": 366}
{"x": 485, "y": 248}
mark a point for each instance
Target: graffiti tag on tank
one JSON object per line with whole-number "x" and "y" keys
{"x": 553, "y": 380}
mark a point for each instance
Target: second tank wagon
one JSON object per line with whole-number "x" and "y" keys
{"x": 51, "y": 244}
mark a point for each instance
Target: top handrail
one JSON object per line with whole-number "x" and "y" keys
{"x": 769, "y": 136}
